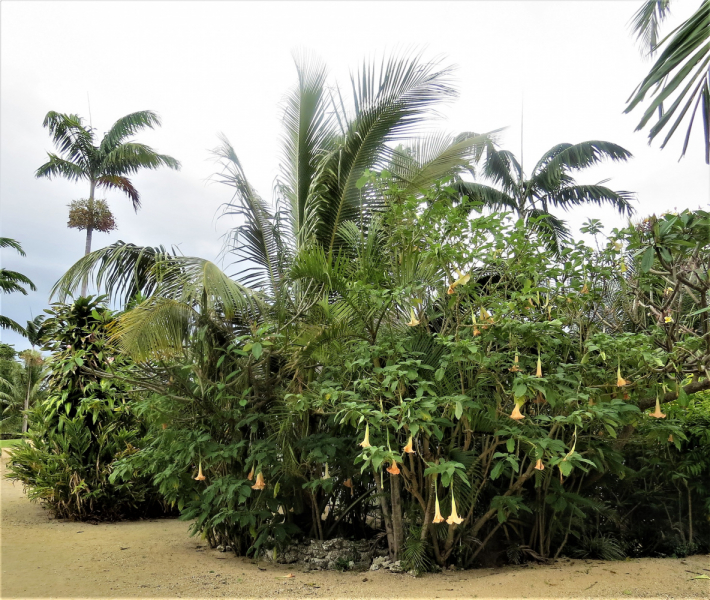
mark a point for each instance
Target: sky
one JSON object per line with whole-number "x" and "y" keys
{"x": 566, "y": 68}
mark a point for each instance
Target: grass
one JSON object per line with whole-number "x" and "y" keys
{"x": 10, "y": 443}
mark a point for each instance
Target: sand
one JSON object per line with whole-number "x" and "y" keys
{"x": 44, "y": 557}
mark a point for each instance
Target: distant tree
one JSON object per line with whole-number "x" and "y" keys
{"x": 106, "y": 165}
{"x": 550, "y": 185}
{"x": 12, "y": 281}
{"x": 682, "y": 68}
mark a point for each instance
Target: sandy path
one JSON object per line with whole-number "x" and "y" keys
{"x": 48, "y": 558}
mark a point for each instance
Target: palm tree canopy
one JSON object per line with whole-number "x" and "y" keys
{"x": 108, "y": 164}
{"x": 12, "y": 281}
{"x": 550, "y": 185}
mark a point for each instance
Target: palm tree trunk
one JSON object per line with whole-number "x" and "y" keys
{"x": 89, "y": 232}
{"x": 27, "y": 399}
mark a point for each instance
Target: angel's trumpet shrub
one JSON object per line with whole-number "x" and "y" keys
{"x": 366, "y": 442}
{"x": 670, "y": 438}
{"x": 200, "y": 476}
{"x": 394, "y": 469}
{"x": 260, "y": 483}
{"x": 539, "y": 466}
{"x": 250, "y": 477}
{"x": 462, "y": 280}
{"x": 657, "y": 414}
{"x": 538, "y": 373}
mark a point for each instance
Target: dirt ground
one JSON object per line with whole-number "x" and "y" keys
{"x": 48, "y": 558}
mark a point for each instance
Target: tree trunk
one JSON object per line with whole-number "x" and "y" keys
{"x": 386, "y": 517}
{"x": 89, "y": 231}
{"x": 27, "y": 399}
{"x": 397, "y": 527}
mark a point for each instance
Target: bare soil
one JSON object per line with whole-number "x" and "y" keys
{"x": 44, "y": 557}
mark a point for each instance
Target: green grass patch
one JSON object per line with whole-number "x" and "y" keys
{"x": 10, "y": 443}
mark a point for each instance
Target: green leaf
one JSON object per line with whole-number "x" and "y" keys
{"x": 256, "y": 350}
{"x": 647, "y": 260}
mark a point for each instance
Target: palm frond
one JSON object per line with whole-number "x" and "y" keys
{"x": 258, "y": 241}
{"x": 58, "y": 167}
{"x": 576, "y": 195}
{"x": 562, "y": 158}
{"x": 647, "y": 20}
{"x": 10, "y": 282}
{"x": 122, "y": 184}
{"x": 390, "y": 104}
{"x": 682, "y": 69}
{"x": 309, "y": 131}
{"x": 127, "y": 126}
{"x": 8, "y": 323}
{"x": 131, "y": 157}
{"x": 435, "y": 157}
{"x": 489, "y": 196}
{"x": 552, "y": 231}
{"x": 10, "y": 243}
{"x": 69, "y": 134}
{"x": 501, "y": 167}
{"x": 124, "y": 270}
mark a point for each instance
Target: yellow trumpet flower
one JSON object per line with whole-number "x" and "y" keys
{"x": 326, "y": 475}
{"x": 414, "y": 322}
{"x": 250, "y": 477}
{"x": 657, "y": 414}
{"x": 516, "y": 367}
{"x": 585, "y": 289}
{"x": 670, "y": 438}
{"x": 366, "y": 442}
{"x": 200, "y": 476}
{"x": 260, "y": 483}
{"x": 462, "y": 280}
{"x": 408, "y": 448}
{"x": 394, "y": 469}
{"x": 668, "y": 319}
{"x": 538, "y": 373}
{"x": 620, "y": 381}
{"x": 516, "y": 414}
{"x": 453, "y": 517}
{"x": 539, "y": 466}
{"x": 437, "y": 513}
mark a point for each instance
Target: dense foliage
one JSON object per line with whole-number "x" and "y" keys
{"x": 85, "y": 423}
{"x": 396, "y": 361}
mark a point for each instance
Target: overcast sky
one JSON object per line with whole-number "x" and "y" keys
{"x": 225, "y": 67}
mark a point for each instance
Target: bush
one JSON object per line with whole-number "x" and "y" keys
{"x": 85, "y": 424}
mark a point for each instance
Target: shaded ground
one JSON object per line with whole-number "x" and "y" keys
{"x": 48, "y": 558}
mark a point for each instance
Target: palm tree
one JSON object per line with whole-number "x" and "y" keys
{"x": 12, "y": 281}
{"x": 682, "y": 68}
{"x": 550, "y": 185}
{"x": 106, "y": 165}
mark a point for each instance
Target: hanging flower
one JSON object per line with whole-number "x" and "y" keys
{"x": 516, "y": 366}
{"x": 516, "y": 414}
{"x": 414, "y": 322}
{"x": 250, "y": 477}
{"x": 200, "y": 476}
{"x": 165, "y": 425}
{"x": 539, "y": 466}
{"x": 670, "y": 438}
{"x": 453, "y": 517}
{"x": 462, "y": 280}
{"x": 394, "y": 469}
{"x": 538, "y": 373}
{"x": 620, "y": 381}
{"x": 260, "y": 483}
{"x": 348, "y": 483}
{"x": 408, "y": 448}
{"x": 657, "y": 414}
{"x": 366, "y": 442}
{"x": 585, "y": 289}
{"x": 326, "y": 475}
{"x": 475, "y": 325}
{"x": 437, "y": 513}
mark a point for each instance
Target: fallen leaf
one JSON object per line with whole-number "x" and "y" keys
{"x": 701, "y": 577}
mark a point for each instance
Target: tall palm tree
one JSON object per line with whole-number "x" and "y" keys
{"x": 12, "y": 281}
{"x": 550, "y": 185}
{"x": 105, "y": 165}
{"x": 682, "y": 69}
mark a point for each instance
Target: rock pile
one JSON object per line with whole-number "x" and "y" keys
{"x": 330, "y": 554}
